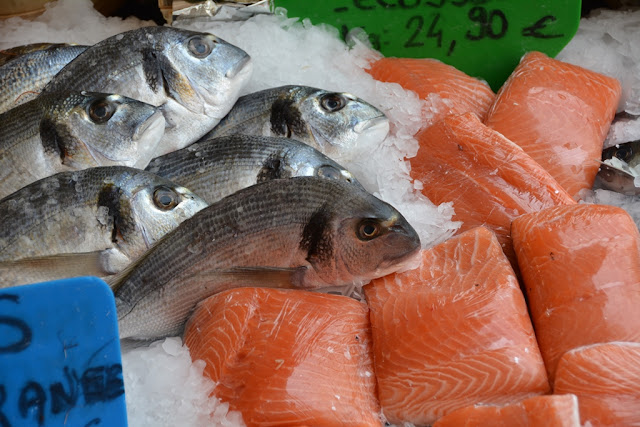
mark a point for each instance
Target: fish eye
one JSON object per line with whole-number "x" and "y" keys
{"x": 332, "y": 102}
{"x": 368, "y": 230}
{"x": 624, "y": 153}
{"x": 165, "y": 198}
{"x": 328, "y": 171}
{"x": 200, "y": 47}
{"x": 101, "y": 111}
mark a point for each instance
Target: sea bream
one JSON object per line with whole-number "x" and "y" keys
{"x": 221, "y": 166}
{"x": 64, "y": 131}
{"x": 195, "y": 78}
{"x": 335, "y": 123}
{"x": 303, "y": 232}
{"x": 24, "y": 76}
{"x": 89, "y": 222}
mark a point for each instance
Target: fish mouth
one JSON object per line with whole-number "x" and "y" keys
{"x": 376, "y": 125}
{"x": 218, "y": 103}
{"x": 150, "y": 126}
{"x": 243, "y": 66}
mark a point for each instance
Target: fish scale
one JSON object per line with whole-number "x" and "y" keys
{"x": 22, "y": 78}
{"x": 255, "y": 237}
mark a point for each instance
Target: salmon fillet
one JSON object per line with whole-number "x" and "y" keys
{"x": 581, "y": 269}
{"x": 453, "y": 332}
{"x": 489, "y": 179}
{"x": 287, "y": 357}
{"x": 448, "y": 90}
{"x": 606, "y": 379}
{"x": 559, "y": 114}
{"x": 539, "y": 411}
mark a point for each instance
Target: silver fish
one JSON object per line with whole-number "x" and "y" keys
{"x": 620, "y": 179}
{"x": 304, "y": 232}
{"x": 194, "y": 77}
{"x": 90, "y": 222}
{"x": 23, "y": 77}
{"x": 332, "y": 122}
{"x": 59, "y": 132}
{"x": 218, "y": 167}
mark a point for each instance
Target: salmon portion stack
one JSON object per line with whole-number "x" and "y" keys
{"x": 559, "y": 114}
{"x": 448, "y": 90}
{"x": 539, "y": 411}
{"x": 489, "y": 179}
{"x": 287, "y": 357}
{"x": 606, "y": 379}
{"x": 453, "y": 332}
{"x": 581, "y": 270}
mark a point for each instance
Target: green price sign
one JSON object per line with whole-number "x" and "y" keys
{"x": 484, "y": 38}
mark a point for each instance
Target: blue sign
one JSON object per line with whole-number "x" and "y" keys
{"x": 60, "y": 362}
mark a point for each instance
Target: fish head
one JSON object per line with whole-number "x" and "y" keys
{"x": 158, "y": 205}
{"x": 341, "y": 122}
{"x": 356, "y": 238}
{"x": 203, "y": 72}
{"x": 97, "y": 129}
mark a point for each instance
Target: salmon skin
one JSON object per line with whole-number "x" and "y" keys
{"x": 303, "y": 232}
{"x": 606, "y": 379}
{"x": 453, "y": 332}
{"x": 581, "y": 267}
{"x": 540, "y": 411}
{"x": 287, "y": 357}
{"x": 447, "y": 89}
{"x": 559, "y": 114}
{"x": 489, "y": 179}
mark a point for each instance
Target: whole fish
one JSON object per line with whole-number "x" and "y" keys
{"x": 89, "y": 222}
{"x": 23, "y": 77}
{"x": 304, "y": 232}
{"x": 332, "y": 122}
{"x": 194, "y": 77}
{"x": 221, "y": 166}
{"x": 619, "y": 168}
{"x": 59, "y": 132}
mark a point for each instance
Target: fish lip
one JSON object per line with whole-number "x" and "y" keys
{"x": 151, "y": 123}
{"x": 377, "y": 123}
{"x": 238, "y": 67}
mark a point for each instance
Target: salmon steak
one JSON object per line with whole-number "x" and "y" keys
{"x": 559, "y": 114}
{"x": 453, "y": 332}
{"x": 559, "y": 410}
{"x": 606, "y": 379}
{"x": 581, "y": 270}
{"x": 447, "y": 89}
{"x": 489, "y": 179}
{"x": 287, "y": 357}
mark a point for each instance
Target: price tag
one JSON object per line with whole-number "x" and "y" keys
{"x": 483, "y": 38}
{"x": 60, "y": 361}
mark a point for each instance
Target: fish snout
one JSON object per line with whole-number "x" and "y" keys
{"x": 243, "y": 66}
{"x": 152, "y": 125}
